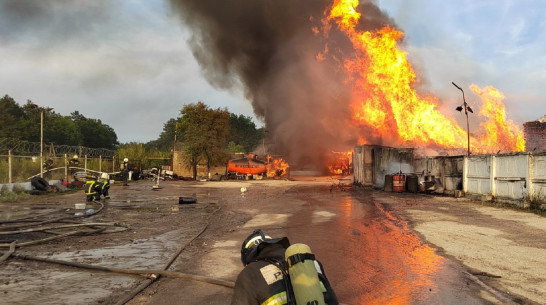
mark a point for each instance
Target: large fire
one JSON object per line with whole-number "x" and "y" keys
{"x": 276, "y": 167}
{"x": 385, "y": 100}
{"x": 340, "y": 163}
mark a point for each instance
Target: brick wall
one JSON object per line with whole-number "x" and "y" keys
{"x": 535, "y": 136}
{"x": 181, "y": 169}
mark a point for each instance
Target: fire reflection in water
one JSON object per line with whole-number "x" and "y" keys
{"x": 402, "y": 264}
{"x": 372, "y": 257}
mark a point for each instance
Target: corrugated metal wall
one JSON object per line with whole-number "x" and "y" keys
{"x": 447, "y": 171}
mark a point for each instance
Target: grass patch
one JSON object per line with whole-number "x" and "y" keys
{"x": 537, "y": 205}
{"x": 16, "y": 194}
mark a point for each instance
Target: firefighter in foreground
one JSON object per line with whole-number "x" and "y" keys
{"x": 90, "y": 189}
{"x": 276, "y": 273}
{"x": 102, "y": 186}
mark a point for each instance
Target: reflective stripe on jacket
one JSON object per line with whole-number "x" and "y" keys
{"x": 90, "y": 187}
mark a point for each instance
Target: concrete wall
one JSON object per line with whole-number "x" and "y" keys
{"x": 477, "y": 174}
{"x": 538, "y": 177}
{"x": 517, "y": 177}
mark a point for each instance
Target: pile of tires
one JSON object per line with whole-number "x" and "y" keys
{"x": 40, "y": 186}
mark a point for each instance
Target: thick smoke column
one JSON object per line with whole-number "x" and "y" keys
{"x": 271, "y": 48}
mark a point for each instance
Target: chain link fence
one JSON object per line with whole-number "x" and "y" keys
{"x": 21, "y": 160}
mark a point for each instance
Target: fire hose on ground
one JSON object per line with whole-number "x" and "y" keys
{"x": 151, "y": 273}
{"x": 38, "y": 227}
{"x": 155, "y": 275}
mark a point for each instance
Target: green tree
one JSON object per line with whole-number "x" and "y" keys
{"x": 205, "y": 132}
{"x": 61, "y": 130}
{"x": 94, "y": 133}
{"x": 242, "y": 131}
{"x": 12, "y": 118}
{"x": 165, "y": 141}
{"x": 235, "y": 148}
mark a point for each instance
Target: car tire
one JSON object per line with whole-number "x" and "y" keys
{"x": 39, "y": 183}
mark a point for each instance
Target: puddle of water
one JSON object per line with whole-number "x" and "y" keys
{"x": 370, "y": 256}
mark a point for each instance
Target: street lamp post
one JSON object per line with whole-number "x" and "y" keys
{"x": 467, "y": 109}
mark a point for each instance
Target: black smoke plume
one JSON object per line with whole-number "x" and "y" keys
{"x": 270, "y": 47}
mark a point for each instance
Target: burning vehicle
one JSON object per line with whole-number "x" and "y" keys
{"x": 250, "y": 167}
{"x": 246, "y": 167}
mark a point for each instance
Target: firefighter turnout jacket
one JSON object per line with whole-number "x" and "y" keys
{"x": 262, "y": 282}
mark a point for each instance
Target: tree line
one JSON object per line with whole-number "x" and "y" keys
{"x": 23, "y": 123}
{"x": 208, "y": 136}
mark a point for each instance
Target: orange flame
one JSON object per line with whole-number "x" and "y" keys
{"x": 277, "y": 167}
{"x": 501, "y": 133}
{"x": 341, "y": 163}
{"x": 384, "y": 97}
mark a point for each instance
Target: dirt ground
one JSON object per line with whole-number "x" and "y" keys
{"x": 505, "y": 247}
{"x": 504, "y": 250}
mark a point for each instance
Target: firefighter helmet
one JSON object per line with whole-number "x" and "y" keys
{"x": 254, "y": 243}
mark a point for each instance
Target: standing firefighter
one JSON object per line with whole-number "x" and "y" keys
{"x": 91, "y": 189}
{"x": 71, "y": 167}
{"x": 47, "y": 166}
{"x": 266, "y": 277}
{"x": 124, "y": 168}
{"x": 102, "y": 186}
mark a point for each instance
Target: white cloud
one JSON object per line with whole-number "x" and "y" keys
{"x": 133, "y": 72}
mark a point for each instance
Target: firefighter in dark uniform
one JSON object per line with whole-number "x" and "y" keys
{"x": 72, "y": 167}
{"x": 47, "y": 166}
{"x": 102, "y": 186}
{"x": 124, "y": 169}
{"x": 91, "y": 189}
{"x": 262, "y": 282}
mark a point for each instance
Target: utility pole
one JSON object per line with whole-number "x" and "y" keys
{"x": 42, "y": 140}
{"x": 41, "y": 144}
{"x": 174, "y": 150}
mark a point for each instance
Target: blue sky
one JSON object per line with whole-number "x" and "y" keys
{"x": 126, "y": 62}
